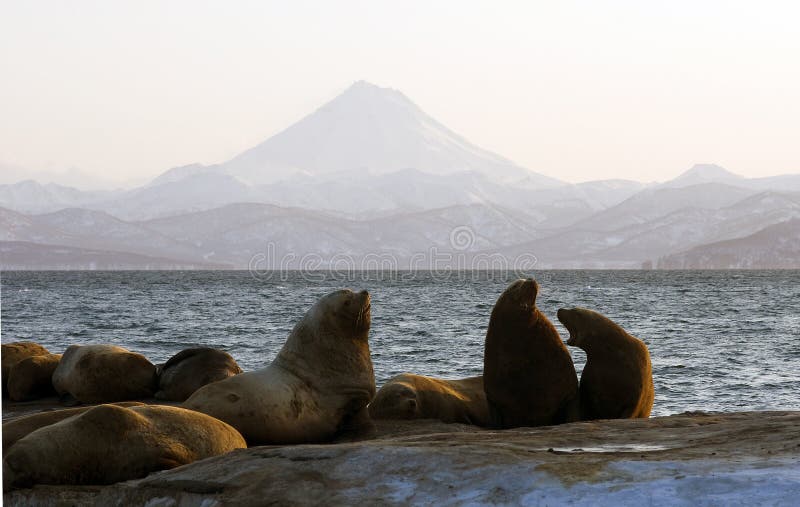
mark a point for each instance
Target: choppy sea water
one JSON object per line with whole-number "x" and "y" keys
{"x": 719, "y": 340}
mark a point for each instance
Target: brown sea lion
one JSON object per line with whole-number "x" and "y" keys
{"x": 109, "y": 443}
{"x": 528, "y": 374}
{"x": 617, "y": 381}
{"x": 409, "y": 396}
{"x": 104, "y": 373}
{"x": 32, "y": 378}
{"x": 12, "y": 353}
{"x": 17, "y": 428}
{"x": 320, "y": 382}
{"x": 190, "y": 369}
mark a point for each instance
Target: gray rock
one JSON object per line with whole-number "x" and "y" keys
{"x": 687, "y": 459}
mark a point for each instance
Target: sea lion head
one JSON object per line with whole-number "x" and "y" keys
{"x": 581, "y": 324}
{"x": 590, "y": 329}
{"x": 517, "y": 302}
{"x": 332, "y": 333}
{"x": 343, "y": 313}
{"x": 395, "y": 400}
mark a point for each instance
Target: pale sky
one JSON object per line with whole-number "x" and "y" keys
{"x": 575, "y": 90}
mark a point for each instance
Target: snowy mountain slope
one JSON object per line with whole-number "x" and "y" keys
{"x": 32, "y": 197}
{"x": 652, "y": 203}
{"x": 16, "y": 226}
{"x": 712, "y": 173}
{"x": 401, "y": 191}
{"x": 463, "y": 228}
{"x": 633, "y": 243}
{"x": 356, "y": 195}
{"x": 69, "y": 177}
{"x": 194, "y": 192}
{"x": 785, "y": 183}
{"x": 373, "y": 130}
{"x": 603, "y": 194}
{"x": 692, "y": 227}
{"x": 237, "y": 233}
{"x": 774, "y": 247}
{"x": 90, "y": 229}
{"x": 178, "y": 173}
{"x": 704, "y": 173}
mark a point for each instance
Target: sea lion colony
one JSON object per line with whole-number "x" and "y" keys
{"x": 320, "y": 385}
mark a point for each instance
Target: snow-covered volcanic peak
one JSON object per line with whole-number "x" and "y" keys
{"x": 704, "y": 173}
{"x": 370, "y": 130}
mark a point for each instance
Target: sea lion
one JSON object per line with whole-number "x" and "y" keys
{"x": 617, "y": 381}
{"x": 32, "y": 377}
{"x": 104, "y": 373}
{"x": 528, "y": 373}
{"x": 17, "y": 428}
{"x": 409, "y": 396}
{"x": 190, "y": 369}
{"x": 109, "y": 443}
{"x": 319, "y": 383}
{"x": 14, "y": 352}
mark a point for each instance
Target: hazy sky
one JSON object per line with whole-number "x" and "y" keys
{"x": 575, "y": 90}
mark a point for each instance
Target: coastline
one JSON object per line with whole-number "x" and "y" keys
{"x": 694, "y": 458}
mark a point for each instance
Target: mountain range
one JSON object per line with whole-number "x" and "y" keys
{"x": 372, "y": 177}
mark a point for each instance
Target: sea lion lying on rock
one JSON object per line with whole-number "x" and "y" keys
{"x": 409, "y": 396}
{"x": 320, "y": 382}
{"x": 104, "y": 373}
{"x": 190, "y": 369}
{"x": 32, "y": 377}
{"x": 17, "y": 428}
{"x": 617, "y": 381}
{"x": 14, "y": 352}
{"x": 109, "y": 443}
{"x": 528, "y": 374}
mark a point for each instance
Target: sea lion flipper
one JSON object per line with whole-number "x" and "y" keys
{"x": 357, "y": 426}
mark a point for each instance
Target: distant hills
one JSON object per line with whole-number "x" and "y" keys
{"x": 629, "y": 234}
{"x": 774, "y": 247}
{"x": 22, "y": 256}
{"x": 370, "y": 176}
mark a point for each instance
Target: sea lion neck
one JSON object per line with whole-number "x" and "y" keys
{"x": 519, "y": 317}
{"x": 343, "y": 354}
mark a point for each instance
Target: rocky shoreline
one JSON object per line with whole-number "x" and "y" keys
{"x": 744, "y": 458}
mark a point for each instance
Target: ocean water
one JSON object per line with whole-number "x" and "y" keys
{"x": 719, "y": 341}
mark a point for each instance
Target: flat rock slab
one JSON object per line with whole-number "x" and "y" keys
{"x": 692, "y": 459}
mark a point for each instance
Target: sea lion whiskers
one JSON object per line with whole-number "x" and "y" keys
{"x": 364, "y": 311}
{"x": 359, "y": 317}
